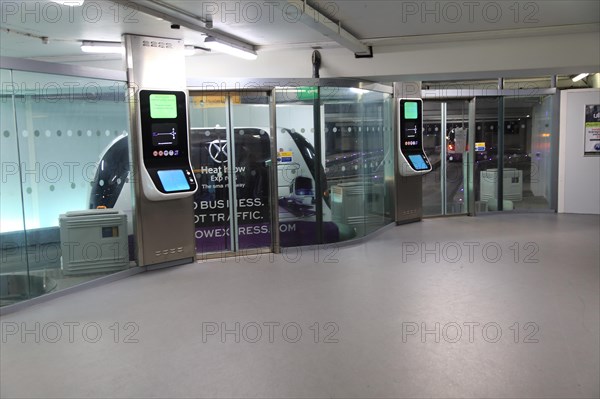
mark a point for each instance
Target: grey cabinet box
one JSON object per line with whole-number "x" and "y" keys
{"x": 93, "y": 241}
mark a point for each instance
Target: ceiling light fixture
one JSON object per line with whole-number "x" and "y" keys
{"x": 222, "y": 47}
{"x": 580, "y": 76}
{"x": 70, "y": 3}
{"x": 190, "y": 50}
{"x": 102, "y": 47}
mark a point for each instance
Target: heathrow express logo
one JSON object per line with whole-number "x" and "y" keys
{"x": 218, "y": 150}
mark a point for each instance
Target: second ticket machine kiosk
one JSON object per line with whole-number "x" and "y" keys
{"x": 412, "y": 158}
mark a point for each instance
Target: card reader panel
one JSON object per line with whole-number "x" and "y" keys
{"x": 412, "y": 159}
{"x": 167, "y": 172}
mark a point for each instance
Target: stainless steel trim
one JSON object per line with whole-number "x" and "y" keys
{"x": 554, "y": 150}
{"x": 396, "y": 144}
{"x": 443, "y": 160}
{"x": 500, "y": 153}
{"x": 471, "y": 158}
{"x": 441, "y": 94}
{"x": 223, "y": 255}
{"x": 273, "y": 181}
{"x": 231, "y": 163}
{"x": 264, "y": 84}
{"x": 134, "y": 153}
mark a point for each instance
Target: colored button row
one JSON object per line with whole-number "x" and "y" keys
{"x": 169, "y": 153}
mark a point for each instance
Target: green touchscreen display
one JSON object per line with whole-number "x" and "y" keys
{"x": 163, "y": 106}
{"x": 411, "y": 110}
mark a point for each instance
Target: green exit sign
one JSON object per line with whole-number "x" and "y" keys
{"x": 306, "y": 93}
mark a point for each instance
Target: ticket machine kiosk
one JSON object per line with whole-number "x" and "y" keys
{"x": 411, "y": 161}
{"x": 167, "y": 172}
{"x": 163, "y": 178}
{"x": 412, "y": 158}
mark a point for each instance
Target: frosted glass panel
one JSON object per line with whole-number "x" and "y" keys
{"x": 11, "y": 209}
{"x": 54, "y": 134}
{"x": 64, "y": 126}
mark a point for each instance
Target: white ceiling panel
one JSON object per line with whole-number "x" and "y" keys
{"x": 370, "y": 19}
{"x": 274, "y": 24}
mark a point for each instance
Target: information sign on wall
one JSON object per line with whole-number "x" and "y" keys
{"x": 592, "y": 129}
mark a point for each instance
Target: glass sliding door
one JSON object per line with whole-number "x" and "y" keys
{"x": 298, "y": 165}
{"x": 445, "y": 138}
{"x": 251, "y": 166}
{"x": 209, "y": 154}
{"x": 527, "y": 155}
{"x": 231, "y": 156}
{"x": 434, "y": 144}
{"x": 486, "y": 154}
{"x": 454, "y": 173}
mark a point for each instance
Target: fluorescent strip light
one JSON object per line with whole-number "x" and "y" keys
{"x": 70, "y": 3}
{"x": 580, "y": 76}
{"x": 102, "y": 47}
{"x": 213, "y": 44}
{"x": 190, "y": 50}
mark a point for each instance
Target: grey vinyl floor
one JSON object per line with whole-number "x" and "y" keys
{"x": 502, "y": 306}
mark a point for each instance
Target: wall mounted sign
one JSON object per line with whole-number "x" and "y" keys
{"x": 592, "y": 129}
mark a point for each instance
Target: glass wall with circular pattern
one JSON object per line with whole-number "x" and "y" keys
{"x": 65, "y": 198}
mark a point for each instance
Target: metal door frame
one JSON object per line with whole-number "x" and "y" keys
{"x": 234, "y": 250}
{"x": 467, "y": 173}
{"x": 471, "y": 95}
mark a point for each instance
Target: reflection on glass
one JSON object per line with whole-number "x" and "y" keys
{"x": 222, "y": 154}
{"x": 14, "y": 271}
{"x": 297, "y": 168}
{"x": 251, "y": 134}
{"x": 444, "y": 187}
{"x": 457, "y": 129}
{"x": 358, "y": 156}
{"x": 59, "y": 144}
{"x": 527, "y": 156}
{"x": 356, "y": 163}
{"x": 209, "y": 157}
{"x": 527, "y": 152}
{"x": 432, "y": 145}
{"x": 486, "y": 154}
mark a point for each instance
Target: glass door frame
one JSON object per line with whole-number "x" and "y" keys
{"x": 472, "y": 95}
{"x": 443, "y": 161}
{"x": 274, "y": 245}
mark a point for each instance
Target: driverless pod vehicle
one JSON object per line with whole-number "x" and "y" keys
{"x": 209, "y": 154}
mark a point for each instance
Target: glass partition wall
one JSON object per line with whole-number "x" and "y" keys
{"x": 528, "y": 152}
{"x": 335, "y": 163}
{"x": 322, "y": 174}
{"x": 64, "y": 150}
{"x": 510, "y": 136}
{"x": 310, "y": 165}
{"x": 516, "y": 139}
